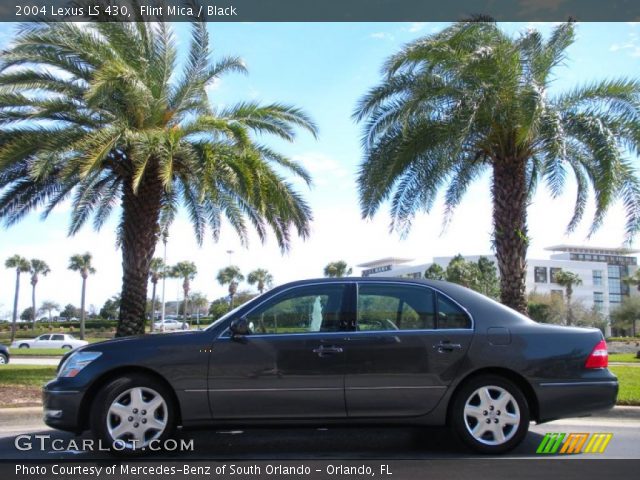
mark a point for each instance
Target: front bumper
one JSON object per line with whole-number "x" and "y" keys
{"x": 62, "y": 407}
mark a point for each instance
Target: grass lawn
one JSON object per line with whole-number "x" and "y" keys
{"x": 629, "y": 378}
{"x": 38, "y": 352}
{"x": 26, "y": 375}
{"x": 623, "y": 357}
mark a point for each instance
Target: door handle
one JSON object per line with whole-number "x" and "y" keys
{"x": 322, "y": 350}
{"x": 447, "y": 347}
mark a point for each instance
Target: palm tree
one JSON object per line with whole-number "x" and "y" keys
{"x": 157, "y": 270}
{"x": 186, "y": 271}
{"x": 568, "y": 280}
{"x": 471, "y": 99}
{"x": 48, "y": 306}
{"x": 82, "y": 264}
{"x": 231, "y": 276}
{"x": 261, "y": 277}
{"x": 435, "y": 272}
{"x": 21, "y": 265}
{"x": 633, "y": 280}
{"x": 115, "y": 123}
{"x": 200, "y": 302}
{"x": 38, "y": 267}
{"x": 337, "y": 269}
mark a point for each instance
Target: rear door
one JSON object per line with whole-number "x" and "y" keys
{"x": 56, "y": 341}
{"x": 408, "y": 344}
{"x": 291, "y": 365}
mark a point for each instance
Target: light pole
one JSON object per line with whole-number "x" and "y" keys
{"x": 165, "y": 236}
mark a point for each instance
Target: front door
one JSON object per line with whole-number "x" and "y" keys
{"x": 292, "y": 363}
{"x": 408, "y": 344}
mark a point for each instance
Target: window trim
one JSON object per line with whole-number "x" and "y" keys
{"x": 352, "y": 303}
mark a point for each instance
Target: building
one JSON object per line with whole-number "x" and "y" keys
{"x": 601, "y": 270}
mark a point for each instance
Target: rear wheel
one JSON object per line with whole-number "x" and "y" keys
{"x": 490, "y": 414}
{"x": 67, "y": 347}
{"x": 23, "y": 345}
{"x": 131, "y": 413}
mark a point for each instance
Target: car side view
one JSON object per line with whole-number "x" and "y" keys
{"x": 340, "y": 351}
{"x": 56, "y": 340}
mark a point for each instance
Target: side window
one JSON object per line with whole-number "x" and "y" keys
{"x": 450, "y": 315}
{"x": 302, "y": 310}
{"x": 57, "y": 337}
{"x": 395, "y": 307}
{"x": 44, "y": 337}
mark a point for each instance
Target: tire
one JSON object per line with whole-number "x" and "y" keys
{"x": 67, "y": 347}
{"x": 155, "y": 424}
{"x": 23, "y": 345}
{"x": 505, "y": 410}
{"x": 3, "y": 359}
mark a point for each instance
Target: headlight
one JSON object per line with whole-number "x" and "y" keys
{"x": 76, "y": 362}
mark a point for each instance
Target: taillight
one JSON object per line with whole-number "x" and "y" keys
{"x": 599, "y": 357}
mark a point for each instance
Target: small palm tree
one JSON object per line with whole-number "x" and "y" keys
{"x": 199, "y": 302}
{"x": 157, "y": 270}
{"x": 187, "y": 271}
{"x": 231, "y": 276}
{"x": 568, "y": 280}
{"x": 337, "y": 269}
{"x": 471, "y": 100}
{"x": 82, "y": 264}
{"x": 38, "y": 267}
{"x": 21, "y": 265}
{"x": 49, "y": 306}
{"x": 261, "y": 277}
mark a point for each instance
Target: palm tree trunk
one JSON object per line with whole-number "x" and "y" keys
{"x": 33, "y": 304}
{"x": 569, "y": 306}
{"x": 139, "y": 234}
{"x": 509, "y": 192}
{"x": 153, "y": 306}
{"x": 14, "y": 318}
{"x": 82, "y": 303}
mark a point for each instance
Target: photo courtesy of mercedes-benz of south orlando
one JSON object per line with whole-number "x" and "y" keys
{"x": 340, "y": 351}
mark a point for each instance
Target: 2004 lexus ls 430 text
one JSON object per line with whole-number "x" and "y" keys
{"x": 355, "y": 350}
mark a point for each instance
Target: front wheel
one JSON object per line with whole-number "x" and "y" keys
{"x": 490, "y": 414}
{"x": 3, "y": 359}
{"x": 132, "y": 412}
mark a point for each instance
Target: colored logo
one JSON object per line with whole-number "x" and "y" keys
{"x": 564, "y": 443}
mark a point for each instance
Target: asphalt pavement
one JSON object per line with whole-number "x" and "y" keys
{"x": 366, "y": 443}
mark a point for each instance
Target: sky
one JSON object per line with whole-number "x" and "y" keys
{"x": 323, "y": 68}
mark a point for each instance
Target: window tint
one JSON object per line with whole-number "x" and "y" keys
{"x": 395, "y": 307}
{"x": 451, "y": 315}
{"x": 302, "y": 310}
{"x": 57, "y": 337}
{"x": 44, "y": 337}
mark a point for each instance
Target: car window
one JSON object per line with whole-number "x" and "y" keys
{"x": 70, "y": 337}
{"x": 451, "y": 315}
{"x": 302, "y": 310}
{"x": 44, "y": 337}
{"x": 395, "y": 307}
{"x": 57, "y": 337}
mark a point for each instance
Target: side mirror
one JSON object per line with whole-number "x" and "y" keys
{"x": 239, "y": 327}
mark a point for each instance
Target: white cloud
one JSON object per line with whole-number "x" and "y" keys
{"x": 416, "y": 27}
{"x": 382, "y": 36}
{"x": 324, "y": 169}
{"x": 631, "y": 46}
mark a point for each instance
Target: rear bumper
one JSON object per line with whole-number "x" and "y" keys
{"x": 575, "y": 398}
{"x": 61, "y": 408}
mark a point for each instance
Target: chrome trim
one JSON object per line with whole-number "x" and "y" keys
{"x": 54, "y": 392}
{"x": 396, "y": 387}
{"x": 570, "y": 384}
{"x": 310, "y": 389}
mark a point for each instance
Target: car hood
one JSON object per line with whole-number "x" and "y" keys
{"x": 141, "y": 340}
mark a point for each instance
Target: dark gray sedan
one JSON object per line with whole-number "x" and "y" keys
{"x": 336, "y": 351}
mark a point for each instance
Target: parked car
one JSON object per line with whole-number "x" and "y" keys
{"x": 340, "y": 351}
{"x": 55, "y": 340}
{"x": 170, "y": 324}
{"x": 4, "y": 355}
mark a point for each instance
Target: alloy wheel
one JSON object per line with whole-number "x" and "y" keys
{"x": 491, "y": 415}
{"x": 137, "y": 416}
